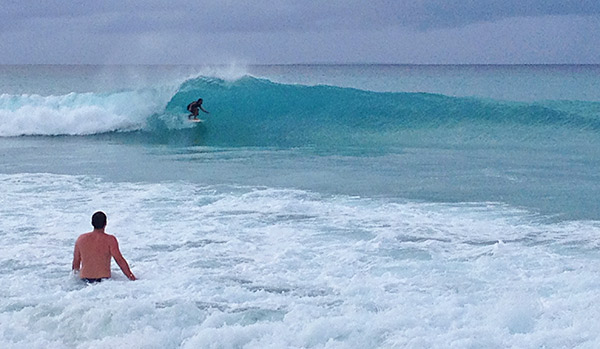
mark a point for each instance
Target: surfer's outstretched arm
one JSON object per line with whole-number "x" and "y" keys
{"x": 204, "y": 110}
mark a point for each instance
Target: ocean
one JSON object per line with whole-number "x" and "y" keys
{"x": 317, "y": 206}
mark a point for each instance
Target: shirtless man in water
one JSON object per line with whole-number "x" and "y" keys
{"x": 93, "y": 251}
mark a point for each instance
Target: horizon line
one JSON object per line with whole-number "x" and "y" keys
{"x": 301, "y": 64}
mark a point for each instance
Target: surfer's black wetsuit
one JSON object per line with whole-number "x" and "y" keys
{"x": 193, "y": 108}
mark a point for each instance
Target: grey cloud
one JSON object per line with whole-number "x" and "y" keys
{"x": 451, "y": 13}
{"x": 283, "y": 15}
{"x": 280, "y": 31}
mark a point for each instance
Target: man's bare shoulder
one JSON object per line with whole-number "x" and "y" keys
{"x": 97, "y": 236}
{"x": 111, "y": 239}
{"x": 84, "y": 236}
{"x": 105, "y": 237}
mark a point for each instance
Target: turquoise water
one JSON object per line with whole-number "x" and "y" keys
{"x": 316, "y": 206}
{"x": 466, "y": 145}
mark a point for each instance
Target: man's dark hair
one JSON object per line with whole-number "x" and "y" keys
{"x": 99, "y": 220}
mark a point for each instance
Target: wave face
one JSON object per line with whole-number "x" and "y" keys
{"x": 257, "y": 112}
{"x": 252, "y": 111}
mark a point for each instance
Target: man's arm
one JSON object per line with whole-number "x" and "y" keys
{"x": 116, "y": 254}
{"x": 203, "y": 110}
{"x": 76, "y": 257}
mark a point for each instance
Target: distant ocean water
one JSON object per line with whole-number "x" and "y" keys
{"x": 317, "y": 205}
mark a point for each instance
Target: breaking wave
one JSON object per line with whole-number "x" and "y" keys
{"x": 257, "y": 112}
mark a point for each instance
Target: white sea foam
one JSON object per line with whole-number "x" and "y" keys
{"x": 79, "y": 113}
{"x": 86, "y": 113}
{"x": 261, "y": 267}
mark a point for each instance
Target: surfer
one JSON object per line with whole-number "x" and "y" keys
{"x": 93, "y": 251}
{"x": 194, "y": 107}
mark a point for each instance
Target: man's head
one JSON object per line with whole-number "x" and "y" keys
{"x": 99, "y": 220}
{"x": 200, "y": 100}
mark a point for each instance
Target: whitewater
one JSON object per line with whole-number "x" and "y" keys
{"x": 359, "y": 206}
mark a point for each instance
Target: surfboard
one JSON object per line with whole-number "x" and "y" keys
{"x": 195, "y": 120}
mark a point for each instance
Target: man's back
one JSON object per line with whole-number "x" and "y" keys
{"x": 94, "y": 248}
{"x": 93, "y": 251}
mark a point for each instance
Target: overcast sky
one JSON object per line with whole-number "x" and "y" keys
{"x": 299, "y": 31}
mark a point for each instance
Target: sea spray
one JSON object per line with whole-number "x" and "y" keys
{"x": 77, "y": 113}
